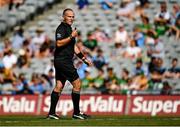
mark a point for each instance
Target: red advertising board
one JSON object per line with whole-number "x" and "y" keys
{"x": 155, "y": 105}
{"x": 20, "y": 104}
{"x": 95, "y": 105}
{"x": 92, "y": 104}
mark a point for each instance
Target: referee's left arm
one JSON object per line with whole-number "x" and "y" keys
{"x": 78, "y": 52}
{"x": 81, "y": 56}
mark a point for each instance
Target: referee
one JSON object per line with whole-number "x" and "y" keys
{"x": 63, "y": 62}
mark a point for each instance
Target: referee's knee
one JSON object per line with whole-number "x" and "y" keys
{"x": 59, "y": 86}
{"x": 77, "y": 88}
{"x": 76, "y": 85}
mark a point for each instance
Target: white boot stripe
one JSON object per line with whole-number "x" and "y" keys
{"x": 54, "y": 117}
{"x": 80, "y": 117}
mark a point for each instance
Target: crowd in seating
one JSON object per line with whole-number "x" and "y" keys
{"x": 125, "y": 62}
{"x": 19, "y": 12}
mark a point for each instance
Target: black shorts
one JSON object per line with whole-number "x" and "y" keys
{"x": 65, "y": 70}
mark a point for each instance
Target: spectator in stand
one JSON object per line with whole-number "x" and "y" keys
{"x": 82, "y": 4}
{"x": 9, "y": 60}
{"x": 164, "y": 15}
{"x": 105, "y": 89}
{"x": 150, "y": 39}
{"x": 121, "y": 35}
{"x": 175, "y": 29}
{"x": 156, "y": 64}
{"x": 123, "y": 81}
{"x": 166, "y": 90}
{"x": 87, "y": 81}
{"x": 139, "y": 37}
{"x": 90, "y": 43}
{"x": 157, "y": 74}
{"x": 39, "y": 39}
{"x": 50, "y": 79}
{"x": 100, "y": 35}
{"x": 29, "y": 47}
{"x": 81, "y": 67}
{"x": 117, "y": 51}
{"x": 99, "y": 60}
{"x": 7, "y": 46}
{"x": 145, "y": 26}
{"x": 128, "y": 8}
{"x": 132, "y": 52}
{"x": 139, "y": 82}
{"x": 35, "y": 84}
{"x": 175, "y": 13}
{"x": 113, "y": 81}
{"x": 144, "y": 3}
{"x": 25, "y": 83}
{"x": 159, "y": 66}
{"x": 106, "y": 5}
{"x": 162, "y": 19}
{"x": 49, "y": 44}
{"x": 98, "y": 81}
{"x": 110, "y": 83}
{"x": 157, "y": 49}
{"x": 174, "y": 67}
{"x": 24, "y": 59}
{"x": 152, "y": 64}
{"x": 155, "y": 82}
{"x": 6, "y": 79}
{"x": 18, "y": 38}
{"x": 44, "y": 52}
{"x": 7, "y": 75}
{"x": 140, "y": 69}
{"x": 140, "y": 6}
{"x": 47, "y": 85}
{"x": 174, "y": 70}
{"x": 16, "y": 87}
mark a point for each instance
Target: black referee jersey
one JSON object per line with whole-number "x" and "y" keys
{"x": 63, "y": 57}
{"x": 65, "y": 52}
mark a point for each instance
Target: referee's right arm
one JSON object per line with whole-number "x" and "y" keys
{"x": 61, "y": 42}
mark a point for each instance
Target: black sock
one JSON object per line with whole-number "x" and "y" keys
{"x": 54, "y": 100}
{"x": 76, "y": 98}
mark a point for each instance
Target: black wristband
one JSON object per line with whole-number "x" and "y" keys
{"x": 80, "y": 55}
{"x": 85, "y": 61}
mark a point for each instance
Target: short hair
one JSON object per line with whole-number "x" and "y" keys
{"x": 109, "y": 69}
{"x": 139, "y": 61}
{"x": 174, "y": 59}
{"x": 67, "y": 9}
{"x": 126, "y": 71}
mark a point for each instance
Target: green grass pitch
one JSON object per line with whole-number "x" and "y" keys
{"x": 94, "y": 121}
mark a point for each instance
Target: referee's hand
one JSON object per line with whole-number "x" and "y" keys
{"x": 74, "y": 33}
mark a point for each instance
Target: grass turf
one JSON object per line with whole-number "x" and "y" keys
{"x": 94, "y": 121}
